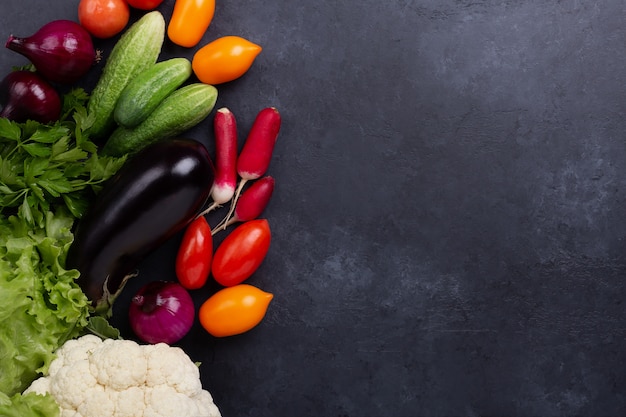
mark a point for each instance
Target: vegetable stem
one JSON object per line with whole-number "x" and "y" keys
{"x": 213, "y": 206}
{"x": 222, "y": 225}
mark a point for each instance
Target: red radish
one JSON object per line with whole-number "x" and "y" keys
{"x": 225, "y": 128}
{"x": 251, "y": 203}
{"x": 256, "y": 154}
{"x": 257, "y": 150}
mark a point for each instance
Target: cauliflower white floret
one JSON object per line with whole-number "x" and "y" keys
{"x": 73, "y": 351}
{"x": 127, "y": 401}
{"x": 165, "y": 401}
{"x": 70, "y": 413}
{"x": 70, "y": 384}
{"x": 206, "y": 405}
{"x": 98, "y": 402}
{"x": 120, "y": 364}
{"x": 39, "y": 386}
{"x": 171, "y": 366}
{"x": 120, "y": 378}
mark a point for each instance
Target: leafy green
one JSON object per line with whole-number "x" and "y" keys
{"x": 48, "y": 175}
{"x": 43, "y": 165}
{"x": 100, "y": 327}
{"x": 29, "y": 405}
{"x": 42, "y": 304}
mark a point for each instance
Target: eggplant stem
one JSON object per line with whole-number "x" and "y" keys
{"x": 104, "y": 306}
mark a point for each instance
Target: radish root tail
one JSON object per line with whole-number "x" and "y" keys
{"x": 228, "y": 219}
{"x": 209, "y": 209}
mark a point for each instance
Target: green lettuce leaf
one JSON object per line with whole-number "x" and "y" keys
{"x": 42, "y": 306}
{"x": 29, "y": 405}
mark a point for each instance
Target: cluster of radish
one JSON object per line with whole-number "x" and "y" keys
{"x": 250, "y": 165}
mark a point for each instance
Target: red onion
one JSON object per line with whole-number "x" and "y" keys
{"x": 24, "y": 95}
{"x": 62, "y": 50}
{"x": 161, "y": 311}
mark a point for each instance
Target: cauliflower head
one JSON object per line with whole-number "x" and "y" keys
{"x": 91, "y": 377}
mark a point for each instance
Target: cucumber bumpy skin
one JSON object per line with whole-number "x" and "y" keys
{"x": 144, "y": 93}
{"x": 178, "y": 112}
{"x": 136, "y": 50}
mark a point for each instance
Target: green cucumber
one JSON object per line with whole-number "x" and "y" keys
{"x": 137, "y": 49}
{"x": 178, "y": 112}
{"x": 144, "y": 93}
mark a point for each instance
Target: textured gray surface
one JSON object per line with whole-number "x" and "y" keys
{"x": 449, "y": 219}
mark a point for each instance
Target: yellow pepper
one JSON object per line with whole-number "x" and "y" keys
{"x": 190, "y": 20}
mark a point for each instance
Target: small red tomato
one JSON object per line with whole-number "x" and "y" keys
{"x": 241, "y": 252}
{"x": 193, "y": 260}
{"x": 144, "y": 4}
{"x": 103, "y": 18}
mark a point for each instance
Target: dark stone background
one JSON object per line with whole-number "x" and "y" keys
{"x": 449, "y": 219}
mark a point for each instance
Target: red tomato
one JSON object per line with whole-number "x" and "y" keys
{"x": 241, "y": 252}
{"x": 144, "y": 4}
{"x": 193, "y": 261}
{"x": 103, "y": 18}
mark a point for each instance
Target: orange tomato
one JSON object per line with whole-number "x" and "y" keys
{"x": 234, "y": 310}
{"x": 103, "y": 18}
{"x": 190, "y": 20}
{"x": 225, "y": 59}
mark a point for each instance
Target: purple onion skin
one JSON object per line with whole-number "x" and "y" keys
{"x": 62, "y": 51}
{"x": 161, "y": 312}
{"x": 24, "y": 95}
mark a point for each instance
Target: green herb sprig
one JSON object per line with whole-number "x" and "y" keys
{"x": 44, "y": 165}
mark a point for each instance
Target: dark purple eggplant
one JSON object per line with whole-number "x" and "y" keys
{"x": 155, "y": 194}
